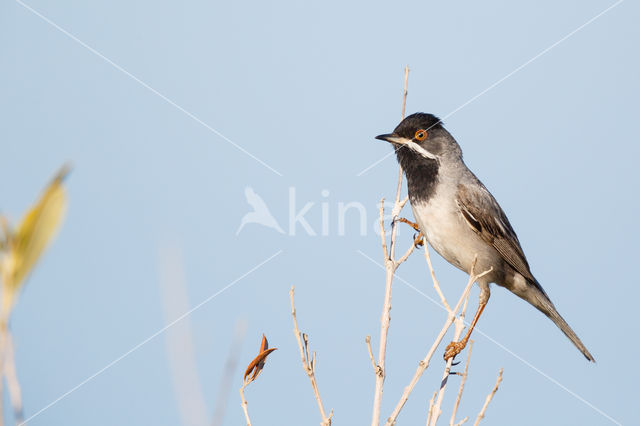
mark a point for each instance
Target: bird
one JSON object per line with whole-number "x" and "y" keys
{"x": 462, "y": 221}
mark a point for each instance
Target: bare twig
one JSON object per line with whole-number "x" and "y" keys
{"x": 404, "y": 201}
{"x": 373, "y": 360}
{"x": 385, "y": 318}
{"x": 407, "y": 253}
{"x": 459, "y": 327}
{"x": 463, "y": 421}
{"x": 383, "y": 233}
{"x": 436, "y": 285}
{"x": 462, "y": 383}
{"x": 244, "y": 403}
{"x": 391, "y": 265}
{"x": 309, "y": 364}
{"x": 404, "y": 93}
{"x": 488, "y": 400}
{"x": 395, "y": 213}
{"x": 431, "y": 407}
{"x": 424, "y": 364}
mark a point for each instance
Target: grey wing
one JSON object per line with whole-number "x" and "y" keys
{"x": 485, "y": 216}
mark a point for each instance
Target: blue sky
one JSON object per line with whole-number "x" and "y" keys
{"x": 170, "y": 111}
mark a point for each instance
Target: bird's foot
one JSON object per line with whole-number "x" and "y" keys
{"x": 453, "y": 349}
{"x": 408, "y": 222}
{"x": 418, "y": 240}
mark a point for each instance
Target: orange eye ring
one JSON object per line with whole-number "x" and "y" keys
{"x": 421, "y": 135}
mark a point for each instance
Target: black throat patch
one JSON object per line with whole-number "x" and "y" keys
{"x": 421, "y": 173}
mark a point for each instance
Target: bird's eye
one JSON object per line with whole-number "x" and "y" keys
{"x": 421, "y": 135}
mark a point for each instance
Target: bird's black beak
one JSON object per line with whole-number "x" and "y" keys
{"x": 391, "y": 138}
{"x": 386, "y": 137}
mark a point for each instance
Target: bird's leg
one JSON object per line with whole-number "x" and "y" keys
{"x": 408, "y": 222}
{"x": 418, "y": 239}
{"x": 454, "y": 348}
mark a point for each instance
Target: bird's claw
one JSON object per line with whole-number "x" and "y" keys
{"x": 453, "y": 349}
{"x": 418, "y": 240}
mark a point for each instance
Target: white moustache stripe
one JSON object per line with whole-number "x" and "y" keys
{"x": 420, "y": 150}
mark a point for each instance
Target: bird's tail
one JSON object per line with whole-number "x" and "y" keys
{"x": 538, "y": 298}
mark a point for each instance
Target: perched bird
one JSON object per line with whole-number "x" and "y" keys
{"x": 460, "y": 219}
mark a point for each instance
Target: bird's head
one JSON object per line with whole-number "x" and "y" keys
{"x": 421, "y": 136}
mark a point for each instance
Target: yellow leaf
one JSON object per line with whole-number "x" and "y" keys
{"x": 31, "y": 237}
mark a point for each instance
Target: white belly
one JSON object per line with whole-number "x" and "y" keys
{"x": 447, "y": 232}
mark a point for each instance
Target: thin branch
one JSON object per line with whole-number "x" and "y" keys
{"x": 308, "y": 364}
{"x": 488, "y": 400}
{"x": 390, "y": 265}
{"x": 463, "y": 421}
{"x": 436, "y": 285}
{"x": 404, "y": 93}
{"x": 462, "y": 383}
{"x": 397, "y": 205}
{"x": 459, "y": 327}
{"x": 437, "y": 410}
{"x": 424, "y": 364}
{"x": 244, "y": 404}
{"x": 385, "y": 319}
{"x": 404, "y": 201}
{"x": 383, "y": 233}
{"x": 395, "y": 213}
{"x": 373, "y": 360}
{"x": 431, "y": 407}
{"x": 407, "y": 254}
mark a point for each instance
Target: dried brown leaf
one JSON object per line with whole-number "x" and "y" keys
{"x": 264, "y": 345}
{"x": 255, "y": 367}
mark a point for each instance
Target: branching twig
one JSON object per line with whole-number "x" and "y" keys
{"x": 462, "y": 383}
{"x": 488, "y": 400}
{"x": 424, "y": 364}
{"x": 433, "y": 398}
{"x": 459, "y": 327}
{"x": 308, "y": 363}
{"x": 406, "y": 255}
{"x": 391, "y": 265}
{"x": 373, "y": 360}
